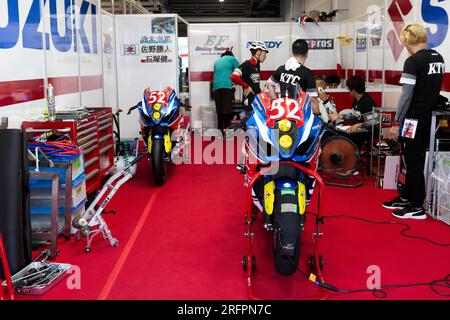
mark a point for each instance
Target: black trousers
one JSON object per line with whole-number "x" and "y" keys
{"x": 414, "y": 151}
{"x": 223, "y": 99}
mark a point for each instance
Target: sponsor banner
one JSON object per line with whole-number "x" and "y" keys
{"x": 320, "y": 44}
{"x": 214, "y": 45}
{"x": 434, "y": 15}
{"x": 361, "y": 39}
{"x": 157, "y": 46}
{"x": 60, "y": 42}
{"x": 269, "y": 44}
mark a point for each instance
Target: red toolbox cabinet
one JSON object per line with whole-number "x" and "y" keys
{"x": 94, "y": 135}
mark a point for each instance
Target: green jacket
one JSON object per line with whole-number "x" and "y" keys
{"x": 223, "y": 68}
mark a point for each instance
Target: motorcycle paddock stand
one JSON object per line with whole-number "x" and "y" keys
{"x": 249, "y": 260}
{"x": 7, "y": 273}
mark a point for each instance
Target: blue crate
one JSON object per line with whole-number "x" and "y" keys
{"x": 78, "y": 169}
{"x": 37, "y": 183}
{"x": 61, "y": 210}
{"x": 41, "y": 197}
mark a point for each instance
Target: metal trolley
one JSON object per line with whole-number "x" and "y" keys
{"x": 91, "y": 223}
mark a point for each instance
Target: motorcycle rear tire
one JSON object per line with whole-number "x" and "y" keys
{"x": 287, "y": 229}
{"x": 158, "y": 165}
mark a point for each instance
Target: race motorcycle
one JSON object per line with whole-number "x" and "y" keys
{"x": 282, "y": 134}
{"x": 160, "y": 119}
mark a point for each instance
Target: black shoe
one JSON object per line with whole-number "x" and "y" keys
{"x": 410, "y": 213}
{"x": 397, "y": 203}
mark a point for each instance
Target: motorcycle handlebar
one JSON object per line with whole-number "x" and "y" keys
{"x": 179, "y": 101}
{"x": 131, "y": 109}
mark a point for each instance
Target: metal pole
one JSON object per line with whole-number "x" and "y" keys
{"x": 292, "y": 10}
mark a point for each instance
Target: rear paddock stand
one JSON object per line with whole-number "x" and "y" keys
{"x": 249, "y": 260}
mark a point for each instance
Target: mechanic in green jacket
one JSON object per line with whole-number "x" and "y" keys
{"x": 223, "y": 88}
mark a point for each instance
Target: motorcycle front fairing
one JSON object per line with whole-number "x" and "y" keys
{"x": 263, "y": 137}
{"x": 161, "y": 116}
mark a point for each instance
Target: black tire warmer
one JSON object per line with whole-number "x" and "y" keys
{"x": 15, "y": 224}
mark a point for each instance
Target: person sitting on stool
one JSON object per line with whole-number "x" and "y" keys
{"x": 363, "y": 104}
{"x": 422, "y": 78}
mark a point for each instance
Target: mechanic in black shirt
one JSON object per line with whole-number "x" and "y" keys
{"x": 362, "y": 104}
{"x": 360, "y": 114}
{"x": 293, "y": 75}
{"x": 422, "y": 80}
{"x": 248, "y": 73}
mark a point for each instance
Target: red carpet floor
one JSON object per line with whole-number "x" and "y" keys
{"x": 186, "y": 241}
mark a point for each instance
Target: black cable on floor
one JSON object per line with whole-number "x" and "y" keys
{"x": 402, "y": 232}
{"x": 381, "y": 292}
{"x": 436, "y": 285}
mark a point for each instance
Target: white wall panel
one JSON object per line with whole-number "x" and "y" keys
{"x": 90, "y": 56}
{"x": 322, "y": 55}
{"x": 109, "y": 60}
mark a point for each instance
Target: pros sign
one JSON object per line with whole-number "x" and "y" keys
{"x": 320, "y": 44}
{"x": 63, "y": 39}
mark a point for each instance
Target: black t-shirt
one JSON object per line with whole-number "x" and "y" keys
{"x": 424, "y": 70}
{"x": 250, "y": 75}
{"x": 365, "y": 104}
{"x": 290, "y": 79}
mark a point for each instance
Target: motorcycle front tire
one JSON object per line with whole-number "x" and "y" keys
{"x": 158, "y": 165}
{"x": 287, "y": 232}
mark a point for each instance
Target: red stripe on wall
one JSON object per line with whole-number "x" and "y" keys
{"x": 392, "y": 77}
{"x": 12, "y": 92}
{"x": 64, "y": 85}
{"x": 91, "y": 82}
{"x": 201, "y": 76}
{"x": 265, "y": 74}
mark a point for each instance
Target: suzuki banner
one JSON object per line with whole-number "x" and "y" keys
{"x": 49, "y": 41}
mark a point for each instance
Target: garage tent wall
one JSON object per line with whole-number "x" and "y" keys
{"x": 78, "y": 48}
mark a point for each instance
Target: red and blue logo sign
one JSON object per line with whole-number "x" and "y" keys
{"x": 431, "y": 14}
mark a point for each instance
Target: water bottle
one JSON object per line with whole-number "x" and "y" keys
{"x": 51, "y": 103}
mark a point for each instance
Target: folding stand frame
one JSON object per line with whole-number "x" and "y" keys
{"x": 249, "y": 261}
